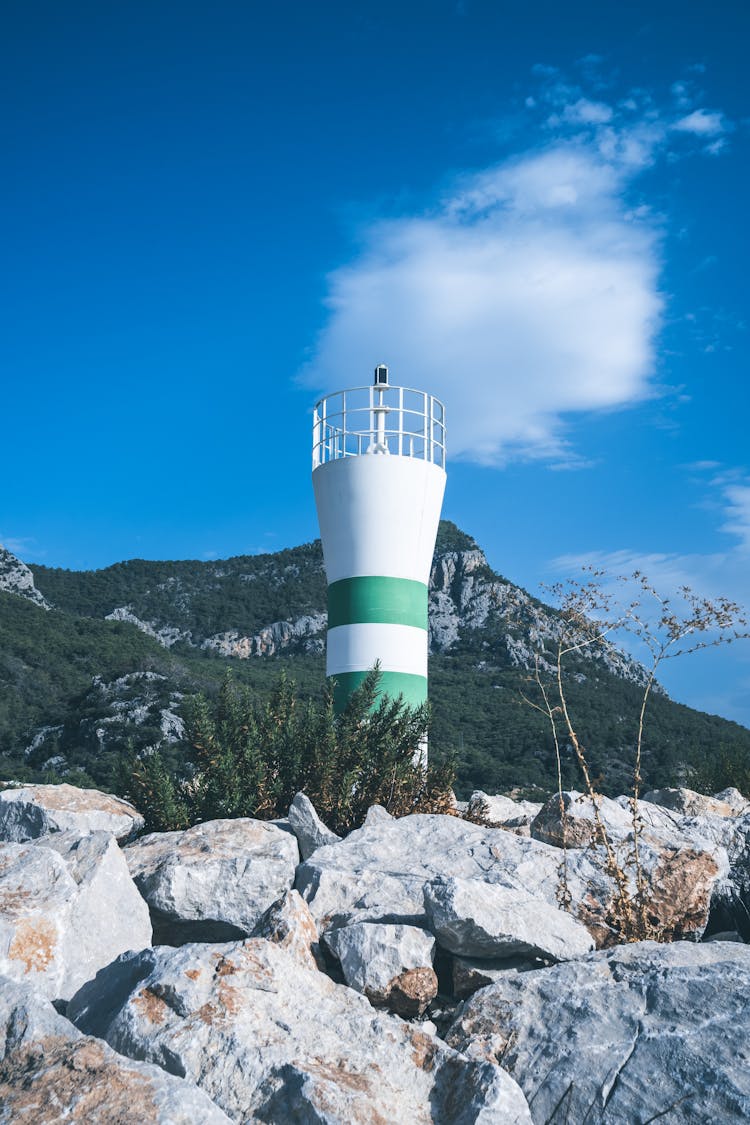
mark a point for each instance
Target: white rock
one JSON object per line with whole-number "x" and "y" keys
{"x": 577, "y": 826}
{"x": 476, "y": 919}
{"x": 289, "y": 923}
{"x": 50, "y": 1072}
{"x": 504, "y": 810}
{"x": 634, "y": 1034}
{"x": 36, "y": 810}
{"x": 214, "y": 880}
{"x": 391, "y": 965}
{"x": 730, "y": 802}
{"x": 307, "y": 826}
{"x": 379, "y": 872}
{"x": 67, "y": 907}
{"x": 376, "y": 814}
{"x": 471, "y": 973}
{"x": 269, "y": 1040}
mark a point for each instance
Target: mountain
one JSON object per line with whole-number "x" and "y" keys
{"x": 94, "y": 662}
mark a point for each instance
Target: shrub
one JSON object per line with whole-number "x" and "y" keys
{"x": 250, "y": 757}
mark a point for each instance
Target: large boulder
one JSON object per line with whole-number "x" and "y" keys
{"x": 633, "y": 1034}
{"x": 391, "y": 965}
{"x": 478, "y": 919}
{"x": 289, "y": 923}
{"x": 503, "y": 811}
{"x": 50, "y": 1072}
{"x": 307, "y": 826}
{"x": 36, "y": 810}
{"x": 729, "y": 802}
{"x": 67, "y": 907}
{"x": 270, "y": 1040}
{"x": 576, "y": 825}
{"x": 212, "y": 882}
{"x": 469, "y": 974}
{"x": 379, "y": 874}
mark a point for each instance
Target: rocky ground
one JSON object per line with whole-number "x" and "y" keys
{"x": 419, "y": 970}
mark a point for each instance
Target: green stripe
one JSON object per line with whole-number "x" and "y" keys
{"x": 413, "y": 688}
{"x": 388, "y": 601}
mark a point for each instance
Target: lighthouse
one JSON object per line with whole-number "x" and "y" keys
{"x": 378, "y": 455}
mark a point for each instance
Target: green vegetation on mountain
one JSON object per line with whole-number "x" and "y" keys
{"x": 80, "y": 694}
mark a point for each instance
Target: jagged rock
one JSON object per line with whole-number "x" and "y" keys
{"x": 67, "y": 907}
{"x": 307, "y": 826}
{"x": 379, "y": 872}
{"x": 391, "y": 965}
{"x": 476, "y": 919}
{"x": 270, "y": 640}
{"x": 289, "y": 923}
{"x": 376, "y": 814}
{"x": 632, "y": 1034}
{"x": 50, "y": 1072}
{"x": 729, "y": 802}
{"x": 16, "y": 578}
{"x": 503, "y": 810}
{"x": 269, "y": 1040}
{"x": 577, "y": 827}
{"x": 36, "y": 810}
{"x": 213, "y": 881}
{"x": 469, "y": 974}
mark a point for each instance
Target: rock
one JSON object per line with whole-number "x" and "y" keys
{"x": 269, "y": 1040}
{"x": 213, "y": 881}
{"x": 379, "y": 873}
{"x": 376, "y": 814}
{"x": 476, "y": 919}
{"x": 307, "y": 826}
{"x": 67, "y": 907}
{"x": 289, "y": 924}
{"x": 504, "y": 811}
{"x": 730, "y": 802}
{"x": 577, "y": 827}
{"x": 734, "y": 800}
{"x": 391, "y": 965}
{"x": 36, "y": 810}
{"x": 632, "y": 1034}
{"x": 50, "y": 1072}
{"x": 16, "y": 578}
{"x": 469, "y": 974}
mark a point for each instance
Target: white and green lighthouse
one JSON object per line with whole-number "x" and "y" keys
{"x": 379, "y": 479}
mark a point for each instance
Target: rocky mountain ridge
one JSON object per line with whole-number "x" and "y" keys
{"x": 94, "y": 663}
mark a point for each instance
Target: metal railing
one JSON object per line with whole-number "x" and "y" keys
{"x": 379, "y": 419}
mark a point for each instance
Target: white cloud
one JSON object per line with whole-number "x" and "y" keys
{"x": 529, "y": 293}
{"x": 702, "y": 123}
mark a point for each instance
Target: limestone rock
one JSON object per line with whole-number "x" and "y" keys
{"x": 730, "y": 802}
{"x": 67, "y": 907}
{"x": 504, "y": 810}
{"x": 307, "y": 826}
{"x": 476, "y": 919}
{"x": 289, "y": 923}
{"x": 379, "y": 873}
{"x": 16, "y": 578}
{"x": 469, "y": 974}
{"x": 213, "y": 881}
{"x": 631, "y": 1034}
{"x": 391, "y": 965}
{"x": 376, "y": 814}
{"x": 269, "y": 1040}
{"x": 577, "y": 826}
{"x": 50, "y": 1072}
{"x": 36, "y": 810}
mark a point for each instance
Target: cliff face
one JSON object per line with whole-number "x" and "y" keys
{"x": 16, "y": 578}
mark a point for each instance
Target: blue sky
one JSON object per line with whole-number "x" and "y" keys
{"x": 210, "y": 213}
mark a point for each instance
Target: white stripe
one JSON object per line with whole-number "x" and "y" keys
{"x": 378, "y": 515}
{"x": 355, "y": 648}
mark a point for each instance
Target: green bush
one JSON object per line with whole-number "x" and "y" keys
{"x": 249, "y": 757}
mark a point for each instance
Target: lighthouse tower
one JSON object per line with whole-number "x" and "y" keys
{"x": 379, "y": 479}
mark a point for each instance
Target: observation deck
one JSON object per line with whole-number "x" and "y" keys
{"x": 379, "y": 419}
